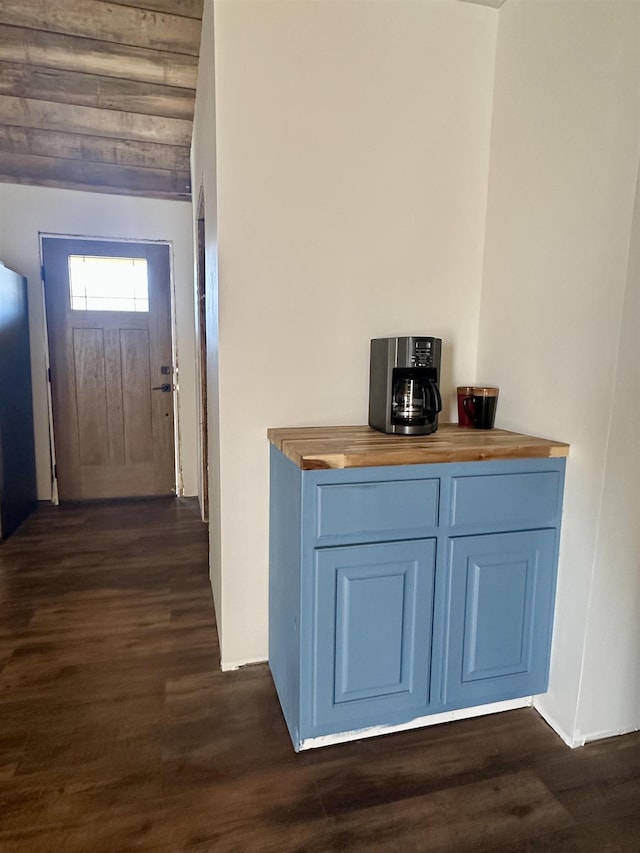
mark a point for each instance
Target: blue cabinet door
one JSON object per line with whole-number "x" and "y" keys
{"x": 499, "y": 616}
{"x": 372, "y": 634}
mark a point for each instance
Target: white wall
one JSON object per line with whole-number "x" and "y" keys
{"x": 352, "y": 162}
{"x": 609, "y": 701}
{"x": 564, "y": 160}
{"x": 26, "y": 211}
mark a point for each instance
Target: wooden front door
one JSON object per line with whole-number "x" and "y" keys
{"x": 111, "y": 367}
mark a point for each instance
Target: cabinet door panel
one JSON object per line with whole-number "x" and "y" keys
{"x": 370, "y": 659}
{"x": 500, "y": 616}
{"x": 372, "y": 632}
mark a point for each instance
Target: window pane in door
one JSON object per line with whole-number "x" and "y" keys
{"x": 108, "y": 284}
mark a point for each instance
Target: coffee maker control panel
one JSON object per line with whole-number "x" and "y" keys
{"x": 422, "y": 356}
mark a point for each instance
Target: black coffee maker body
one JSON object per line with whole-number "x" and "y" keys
{"x": 404, "y": 396}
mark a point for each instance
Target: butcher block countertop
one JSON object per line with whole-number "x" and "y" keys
{"x": 312, "y": 448}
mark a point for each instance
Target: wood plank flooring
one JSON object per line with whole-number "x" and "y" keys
{"x": 118, "y": 732}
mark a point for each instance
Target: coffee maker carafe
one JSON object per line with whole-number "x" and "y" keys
{"x": 404, "y": 397}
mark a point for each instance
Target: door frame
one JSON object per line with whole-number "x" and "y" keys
{"x": 177, "y": 444}
{"x": 201, "y": 355}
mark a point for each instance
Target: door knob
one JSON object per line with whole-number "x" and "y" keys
{"x": 166, "y": 387}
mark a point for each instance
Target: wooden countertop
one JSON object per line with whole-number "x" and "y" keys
{"x": 313, "y": 448}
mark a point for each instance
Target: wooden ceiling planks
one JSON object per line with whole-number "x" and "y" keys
{"x": 98, "y": 95}
{"x": 111, "y": 22}
{"x": 92, "y": 90}
{"x": 52, "y": 50}
{"x": 94, "y": 121}
{"x": 93, "y": 149}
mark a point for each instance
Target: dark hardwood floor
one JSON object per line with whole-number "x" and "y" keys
{"x": 118, "y": 732}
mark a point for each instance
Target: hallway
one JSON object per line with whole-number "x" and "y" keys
{"x": 118, "y": 732}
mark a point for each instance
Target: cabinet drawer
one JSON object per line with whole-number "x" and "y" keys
{"x": 384, "y": 510}
{"x": 498, "y": 500}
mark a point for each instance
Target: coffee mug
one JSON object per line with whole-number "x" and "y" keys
{"x": 464, "y": 420}
{"x": 480, "y": 406}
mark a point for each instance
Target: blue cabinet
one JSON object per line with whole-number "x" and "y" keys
{"x": 400, "y": 592}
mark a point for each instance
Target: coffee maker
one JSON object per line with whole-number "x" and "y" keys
{"x": 404, "y": 397}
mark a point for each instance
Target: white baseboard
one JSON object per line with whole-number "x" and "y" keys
{"x": 418, "y": 723}
{"x": 230, "y": 666}
{"x": 580, "y": 738}
{"x": 570, "y": 741}
{"x": 589, "y": 738}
